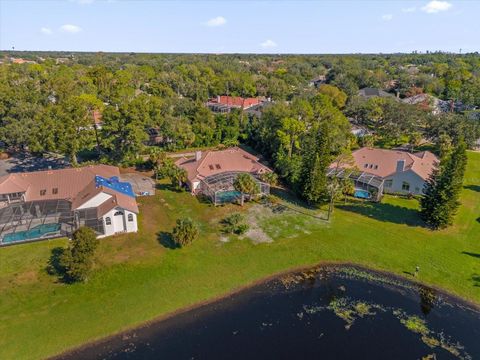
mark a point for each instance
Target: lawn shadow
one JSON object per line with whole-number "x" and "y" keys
{"x": 475, "y": 255}
{"x": 472, "y": 187}
{"x": 166, "y": 240}
{"x": 385, "y": 212}
{"x": 408, "y": 273}
{"x": 54, "y": 266}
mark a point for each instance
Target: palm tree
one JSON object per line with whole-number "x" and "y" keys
{"x": 246, "y": 184}
{"x": 178, "y": 177}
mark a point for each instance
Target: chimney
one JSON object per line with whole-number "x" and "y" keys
{"x": 218, "y": 99}
{"x": 400, "y": 165}
{"x": 198, "y": 155}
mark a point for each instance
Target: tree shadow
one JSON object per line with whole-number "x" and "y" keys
{"x": 385, "y": 212}
{"x": 428, "y": 298}
{"x": 166, "y": 240}
{"x": 290, "y": 198}
{"x": 475, "y": 255}
{"x": 54, "y": 266}
{"x": 472, "y": 187}
{"x": 169, "y": 187}
{"x": 476, "y": 280}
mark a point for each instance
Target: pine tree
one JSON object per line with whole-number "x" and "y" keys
{"x": 442, "y": 190}
{"x": 316, "y": 159}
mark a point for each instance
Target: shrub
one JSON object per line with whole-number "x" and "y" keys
{"x": 184, "y": 232}
{"x": 77, "y": 260}
{"x": 234, "y": 224}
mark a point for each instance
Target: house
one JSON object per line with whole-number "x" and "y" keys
{"x": 212, "y": 173}
{"x": 319, "y": 80}
{"x": 97, "y": 119}
{"x": 368, "y": 93}
{"x": 155, "y": 137}
{"x": 360, "y": 131}
{"x": 225, "y": 104}
{"x": 22, "y": 61}
{"x": 45, "y": 204}
{"x": 402, "y": 172}
{"x": 429, "y": 102}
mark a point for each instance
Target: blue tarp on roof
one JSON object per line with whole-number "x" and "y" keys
{"x": 115, "y": 184}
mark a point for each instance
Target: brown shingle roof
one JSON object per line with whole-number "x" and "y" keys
{"x": 12, "y": 184}
{"x": 215, "y": 162}
{"x": 68, "y": 182}
{"x": 74, "y": 184}
{"x": 384, "y": 162}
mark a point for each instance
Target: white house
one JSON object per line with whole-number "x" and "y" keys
{"x": 53, "y": 203}
{"x": 402, "y": 172}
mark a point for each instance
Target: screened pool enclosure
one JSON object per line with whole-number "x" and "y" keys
{"x": 220, "y": 190}
{"x": 27, "y": 221}
{"x": 364, "y": 182}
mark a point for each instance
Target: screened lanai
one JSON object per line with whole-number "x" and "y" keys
{"x": 219, "y": 187}
{"x": 27, "y": 221}
{"x": 363, "y": 181}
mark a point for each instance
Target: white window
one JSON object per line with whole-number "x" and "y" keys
{"x": 388, "y": 183}
{"x": 117, "y": 213}
{"x": 108, "y": 221}
{"x": 130, "y": 217}
{"x": 405, "y": 186}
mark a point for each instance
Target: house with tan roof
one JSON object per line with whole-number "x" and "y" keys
{"x": 402, "y": 172}
{"x": 45, "y": 204}
{"x": 212, "y": 173}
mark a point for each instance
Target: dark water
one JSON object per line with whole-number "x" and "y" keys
{"x": 325, "y": 313}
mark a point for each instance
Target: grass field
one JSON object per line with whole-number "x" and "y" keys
{"x": 137, "y": 278}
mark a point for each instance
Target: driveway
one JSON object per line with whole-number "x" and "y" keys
{"x": 141, "y": 184}
{"x": 26, "y": 163}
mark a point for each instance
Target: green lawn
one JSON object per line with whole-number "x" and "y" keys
{"x": 137, "y": 279}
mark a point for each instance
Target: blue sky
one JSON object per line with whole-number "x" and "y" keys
{"x": 240, "y": 26}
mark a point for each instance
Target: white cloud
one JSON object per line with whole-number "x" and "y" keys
{"x": 436, "y": 6}
{"x": 409, "y": 9}
{"x": 387, "y": 17}
{"x": 216, "y": 21}
{"x": 71, "y": 28}
{"x": 268, "y": 44}
{"x": 46, "y": 31}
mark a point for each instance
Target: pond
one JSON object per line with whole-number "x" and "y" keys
{"x": 329, "y": 312}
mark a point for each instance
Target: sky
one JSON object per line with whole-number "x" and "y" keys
{"x": 240, "y": 26}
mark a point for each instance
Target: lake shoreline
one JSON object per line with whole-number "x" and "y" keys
{"x": 474, "y": 306}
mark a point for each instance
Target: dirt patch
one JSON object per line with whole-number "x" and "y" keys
{"x": 255, "y": 233}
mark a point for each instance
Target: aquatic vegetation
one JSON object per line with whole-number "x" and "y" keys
{"x": 312, "y": 309}
{"x": 363, "y": 309}
{"x": 343, "y": 310}
{"x": 428, "y": 336}
{"x": 415, "y": 324}
{"x": 290, "y": 280}
{"x": 350, "y": 310}
{"x": 430, "y": 341}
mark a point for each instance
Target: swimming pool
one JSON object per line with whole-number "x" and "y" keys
{"x": 362, "y": 194}
{"x": 227, "y": 196}
{"x": 34, "y": 233}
